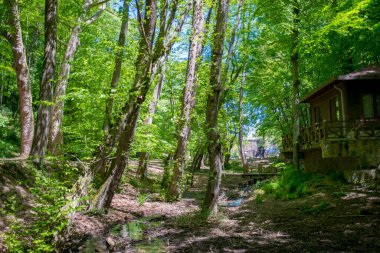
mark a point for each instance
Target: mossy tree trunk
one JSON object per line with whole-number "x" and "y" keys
{"x": 188, "y": 101}
{"x": 296, "y": 82}
{"x": 214, "y": 146}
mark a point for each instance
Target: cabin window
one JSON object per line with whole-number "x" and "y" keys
{"x": 368, "y": 108}
{"x": 335, "y": 109}
{"x": 317, "y": 115}
{"x": 378, "y": 105}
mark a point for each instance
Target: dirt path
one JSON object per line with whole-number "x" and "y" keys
{"x": 340, "y": 222}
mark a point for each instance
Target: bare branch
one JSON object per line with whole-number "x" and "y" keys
{"x": 113, "y": 14}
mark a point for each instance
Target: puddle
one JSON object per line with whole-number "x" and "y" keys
{"x": 93, "y": 244}
{"x": 153, "y": 246}
{"x": 133, "y": 230}
{"x": 134, "y": 235}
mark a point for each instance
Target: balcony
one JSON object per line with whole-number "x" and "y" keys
{"x": 315, "y": 136}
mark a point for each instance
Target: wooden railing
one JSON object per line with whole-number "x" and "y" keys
{"x": 312, "y": 136}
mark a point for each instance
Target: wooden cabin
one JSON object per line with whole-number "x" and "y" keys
{"x": 344, "y": 130}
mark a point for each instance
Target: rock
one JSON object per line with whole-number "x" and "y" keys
{"x": 111, "y": 241}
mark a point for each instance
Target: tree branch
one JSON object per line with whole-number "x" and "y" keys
{"x": 141, "y": 27}
{"x": 98, "y": 3}
{"x": 178, "y": 27}
{"x": 96, "y": 15}
{"x": 172, "y": 15}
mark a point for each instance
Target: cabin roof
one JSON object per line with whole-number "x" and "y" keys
{"x": 368, "y": 73}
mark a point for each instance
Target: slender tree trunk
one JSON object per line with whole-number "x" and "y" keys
{"x": 46, "y": 86}
{"x": 213, "y": 105}
{"x": 188, "y": 102}
{"x": 117, "y": 69}
{"x": 296, "y": 83}
{"x": 144, "y": 156}
{"x": 55, "y": 135}
{"x": 23, "y": 79}
{"x": 232, "y": 43}
{"x": 196, "y": 163}
{"x": 241, "y": 117}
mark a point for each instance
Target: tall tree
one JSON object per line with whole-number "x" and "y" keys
{"x": 151, "y": 56}
{"x": 22, "y": 74}
{"x": 241, "y": 118}
{"x": 55, "y": 135}
{"x": 213, "y": 104}
{"x": 117, "y": 69}
{"x": 296, "y": 80}
{"x": 188, "y": 102}
{"x": 46, "y": 86}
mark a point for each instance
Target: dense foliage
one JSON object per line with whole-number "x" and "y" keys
{"x": 252, "y": 83}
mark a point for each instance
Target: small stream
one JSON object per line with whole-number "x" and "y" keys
{"x": 134, "y": 236}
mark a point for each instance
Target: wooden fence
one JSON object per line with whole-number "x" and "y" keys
{"x": 313, "y": 136}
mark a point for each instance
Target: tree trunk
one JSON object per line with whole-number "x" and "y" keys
{"x": 213, "y": 104}
{"x": 296, "y": 83}
{"x": 132, "y": 109}
{"x": 117, "y": 70}
{"x": 46, "y": 87}
{"x": 55, "y": 135}
{"x": 241, "y": 116}
{"x": 23, "y": 79}
{"x": 144, "y": 158}
{"x": 188, "y": 102}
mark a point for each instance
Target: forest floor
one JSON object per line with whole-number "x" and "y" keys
{"x": 345, "y": 219}
{"x": 326, "y": 221}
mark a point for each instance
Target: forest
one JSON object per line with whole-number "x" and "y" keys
{"x": 124, "y": 125}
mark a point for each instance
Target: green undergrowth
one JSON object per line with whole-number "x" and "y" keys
{"x": 235, "y": 167}
{"x": 9, "y": 133}
{"x": 148, "y": 189}
{"x": 32, "y": 206}
{"x": 293, "y": 184}
{"x": 198, "y": 219}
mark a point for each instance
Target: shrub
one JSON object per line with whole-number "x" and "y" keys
{"x": 290, "y": 184}
{"x": 37, "y": 231}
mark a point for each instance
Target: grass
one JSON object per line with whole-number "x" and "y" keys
{"x": 293, "y": 184}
